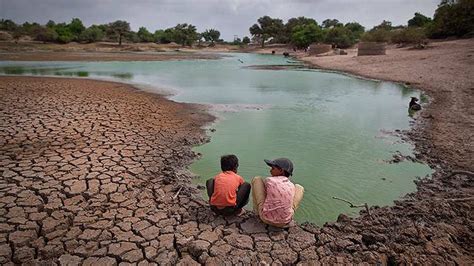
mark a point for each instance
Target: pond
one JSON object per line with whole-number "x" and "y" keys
{"x": 337, "y": 129}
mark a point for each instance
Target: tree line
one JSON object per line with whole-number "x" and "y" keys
{"x": 451, "y": 18}
{"x": 75, "y": 31}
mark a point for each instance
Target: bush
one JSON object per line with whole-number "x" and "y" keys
{"x": 377, "y": 35}
{"x": 92, "y": 34}
{"x": 45, "y": 34}
{"x": 411, "y": 35}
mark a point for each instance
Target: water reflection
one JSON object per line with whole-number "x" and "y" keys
{"x": 61, "y": 71}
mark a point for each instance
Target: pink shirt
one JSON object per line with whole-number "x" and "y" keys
{"x": 278, "y": 205}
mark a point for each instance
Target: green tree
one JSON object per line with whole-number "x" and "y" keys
{"x": 292, "y": 23}
{"x": 304, "y": 35}
{"x": 160, "y": 37}
{"x": 356, "y": 29}
{"x": 418, "y": 20}
{"x": 340, "y": 36}
{"x": 385, "y": 25}
{"x": 92, "y": 34}
{"x": 211, "y": 35}
{"x": 246, "y": 40}
{"x": 8, "y": 25}
{"x": 184, "y": 34}
{"x": 51, "y": 24}
{"x": 144, "y": 35}
{"x": 331, "y": 23}
{"x": 266, "y": 28}
{"x": 119, "y": 28}
{"x": 453, "y": 18}
{"x": 76, "y": 27}
{"x": 64, "y": 33}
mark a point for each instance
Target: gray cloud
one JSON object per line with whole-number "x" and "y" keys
{"x": 230, "y": 17}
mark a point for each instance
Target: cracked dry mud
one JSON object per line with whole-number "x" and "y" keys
{"x": 90, "y": 172}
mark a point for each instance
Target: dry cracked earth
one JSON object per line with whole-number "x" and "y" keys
{"x": 92, "y": 173}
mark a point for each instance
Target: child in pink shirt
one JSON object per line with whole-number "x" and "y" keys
{"x": 276, "y": 198}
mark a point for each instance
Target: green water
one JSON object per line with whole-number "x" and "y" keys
{"x": 332, "y": 126}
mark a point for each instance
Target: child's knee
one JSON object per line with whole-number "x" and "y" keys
{"x": 256, "y": 179}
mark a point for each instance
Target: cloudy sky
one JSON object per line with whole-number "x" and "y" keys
{"x": 230, "y": 17}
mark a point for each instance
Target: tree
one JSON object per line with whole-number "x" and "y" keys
{"x": 266, "y": 28}
{"x": 246, "y": 40}
{"x": 304, "y": 35}
{"x": 92, "y": 34}
{"x": 331, "y": 23}
{"x": 51, "y": 24}
{"x": 119, "y": 28}
{"x": 340, "y": 36}
{"x": 211, "y": 35}
{"x": 184, "y": 34}
{"x": 294, "y": 22}
{"x": 8, "y": 25}
{"x": 453, "y": 18}
{"x": 64, "y": 33}
{"x": 418, "y": 20}
{"x": 160, "y": 36}
{"x": 76, "y": 27}
{"x": 385, "y": 25}
{"x": 144, "y": 35}
{"x": 356, "y": 29}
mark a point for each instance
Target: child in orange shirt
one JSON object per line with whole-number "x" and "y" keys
{"x": 228, "y": 192}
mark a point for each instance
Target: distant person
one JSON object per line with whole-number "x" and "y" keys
{"x": 413, "y": 105}
{"x": 276, "y": 198}
{"x": 228, "y": 192}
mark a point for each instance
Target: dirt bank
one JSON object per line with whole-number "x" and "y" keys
{"x": 37, "y": 51}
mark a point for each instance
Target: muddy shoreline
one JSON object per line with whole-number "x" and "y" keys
{"x": 152, "y": 214}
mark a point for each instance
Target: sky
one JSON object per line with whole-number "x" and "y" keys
{"x": 230, "y": 17}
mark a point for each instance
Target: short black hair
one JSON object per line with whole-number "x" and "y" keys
{"x": 229, "y": 162}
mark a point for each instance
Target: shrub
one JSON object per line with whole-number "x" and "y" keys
{"x": 410, "y": 35}
{"x": 377, "y": 35}
{"x": 92, "y": 34}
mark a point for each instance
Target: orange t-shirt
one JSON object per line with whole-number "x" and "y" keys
{"x": 225, "y": 189}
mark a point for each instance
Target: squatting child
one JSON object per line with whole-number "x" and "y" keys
{"x": 228, "y": 192}
{"x": 276, "y": 198}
